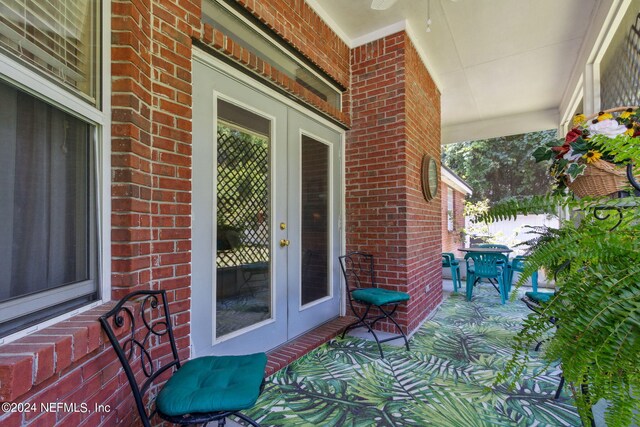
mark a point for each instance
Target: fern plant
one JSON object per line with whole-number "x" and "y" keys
{"x": 596, "y": 304}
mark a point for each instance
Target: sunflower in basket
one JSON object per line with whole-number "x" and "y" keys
{"x": 588, "y": 159}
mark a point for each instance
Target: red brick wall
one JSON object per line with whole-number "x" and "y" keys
{"x": 151, "y": 187}
{"x": 300, "y": 25}
{"x": 424, "y": 261}
{"x": 451, "y": 240}
{"x": 395, "y": 120}
{"x": 151, "y": 196}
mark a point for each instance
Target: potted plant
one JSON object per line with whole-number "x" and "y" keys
{"x": 596, "y": 260}
{"x": 590, "y": 160}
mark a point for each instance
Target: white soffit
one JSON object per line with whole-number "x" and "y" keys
{"x": 455, "y": 182}
{"x": 490, "y": 58}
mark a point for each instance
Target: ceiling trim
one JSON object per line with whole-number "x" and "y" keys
{"x": 514, "y": 124}
{"x": 378, "y": 34}
{"x": 329, "y": 21}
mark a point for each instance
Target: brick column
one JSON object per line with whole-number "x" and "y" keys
{"x": 395, "y": 120}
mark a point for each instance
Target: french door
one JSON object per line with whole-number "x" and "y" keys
{"x": 265, "y": 218}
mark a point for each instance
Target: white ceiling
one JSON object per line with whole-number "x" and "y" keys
{"x": 502, "y": 65}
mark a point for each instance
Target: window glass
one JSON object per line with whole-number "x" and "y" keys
{"x": 450, "y": 210}
{"x": 58, "y": 38}
{"x": 48, "y": 251}
{"x": 243, "y": 211}
{"x": 246, "y": 36}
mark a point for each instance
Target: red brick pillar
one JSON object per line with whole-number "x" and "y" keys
{"x": 151, "y": 159}
{"x": 395, "y": 109}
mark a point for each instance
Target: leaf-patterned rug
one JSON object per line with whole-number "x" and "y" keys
{"x": 445, "y": 380}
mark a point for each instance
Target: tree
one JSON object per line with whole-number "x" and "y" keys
{"x": 500, "y": 168}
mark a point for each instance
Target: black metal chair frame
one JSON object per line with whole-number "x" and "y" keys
{"x": 124, "y": 315}
{"x": 535, "y": 306}
{"x": 350, "y": 275}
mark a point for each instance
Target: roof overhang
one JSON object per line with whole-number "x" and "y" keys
{"x": 454, "y": 181}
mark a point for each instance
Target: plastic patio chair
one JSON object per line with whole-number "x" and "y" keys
{"x": 517, "y": 264}
{"x": 449, "y": 261}
{"x": 359, "y": 275}
{"x": 484, "y": 265}
{"x": 201, "y": 390}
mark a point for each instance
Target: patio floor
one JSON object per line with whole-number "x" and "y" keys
{"x": 445, "y": 380}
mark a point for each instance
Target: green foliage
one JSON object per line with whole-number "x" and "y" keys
{"x": 503, "y": 167}
{"x": 596, "y": 304}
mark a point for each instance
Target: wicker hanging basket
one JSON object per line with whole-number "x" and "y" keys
{"x": 600, "y": 179}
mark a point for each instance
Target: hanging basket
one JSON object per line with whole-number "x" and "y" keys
{"x": 599, "y": 179}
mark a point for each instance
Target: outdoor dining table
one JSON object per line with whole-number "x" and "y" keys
{"x": 485, "y": 250}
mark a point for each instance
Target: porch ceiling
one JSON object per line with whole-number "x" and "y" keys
{"x": 502, "y": 65}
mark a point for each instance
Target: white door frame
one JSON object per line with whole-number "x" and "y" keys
{"x": 207, "y": 59}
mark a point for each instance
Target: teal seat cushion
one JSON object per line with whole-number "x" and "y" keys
{"x": 213, "y": 383}
{"x": 378, "y": 296}
{"x": 539, "y": 297}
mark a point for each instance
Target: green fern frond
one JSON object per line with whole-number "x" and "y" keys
{"x": 596, "y": 263}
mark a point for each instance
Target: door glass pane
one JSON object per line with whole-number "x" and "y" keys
{"x": 243, "y": 261}
{"x": 315, "y": 220}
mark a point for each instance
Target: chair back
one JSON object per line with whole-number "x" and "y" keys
{"x": 517, "y": 264}
{"x": 446, "y": 261}
{"x": 358, "y": 272}
{"x": 486, "y": 264}
{"x": 139, "y": 329}
{"x": 447, "y": 257}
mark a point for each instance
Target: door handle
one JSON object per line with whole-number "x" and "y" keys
{"x": 284, "y": 242}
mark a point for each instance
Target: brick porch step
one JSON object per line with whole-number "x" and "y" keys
{"x": 292, "y": 350}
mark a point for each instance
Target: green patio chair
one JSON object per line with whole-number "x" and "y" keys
{"x": 449, "y": 261}
{"x": 517, "y": 264}
{"x": 199, "y": 391}
{"x": 490, "y": 266}
{"x": 360, "y": 277}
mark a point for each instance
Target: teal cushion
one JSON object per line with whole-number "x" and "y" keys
{"x": 213, "y": 383}
{"x": 539, "y": 297}
{"x": 378, "y": 296}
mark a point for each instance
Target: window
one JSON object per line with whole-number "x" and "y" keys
{"x": 450, "y": 210}
{"x": 57, "y": 38}
{"x": 49, "y": 240}
{"x": 620, "y": 66}
{"x": 220, "y": 15}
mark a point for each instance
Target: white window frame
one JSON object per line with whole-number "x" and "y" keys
{"x": 451, "y": 206}
{"x": 26, "y": 79}
{"x": 585, "y": 80}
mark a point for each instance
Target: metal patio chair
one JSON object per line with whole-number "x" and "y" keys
{"x": 201, "y": 390}
{"x": 535, "y": 301}
{"x": 360, "y": 277}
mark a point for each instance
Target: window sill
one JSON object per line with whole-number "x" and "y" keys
{"x": 33, "y": 359}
